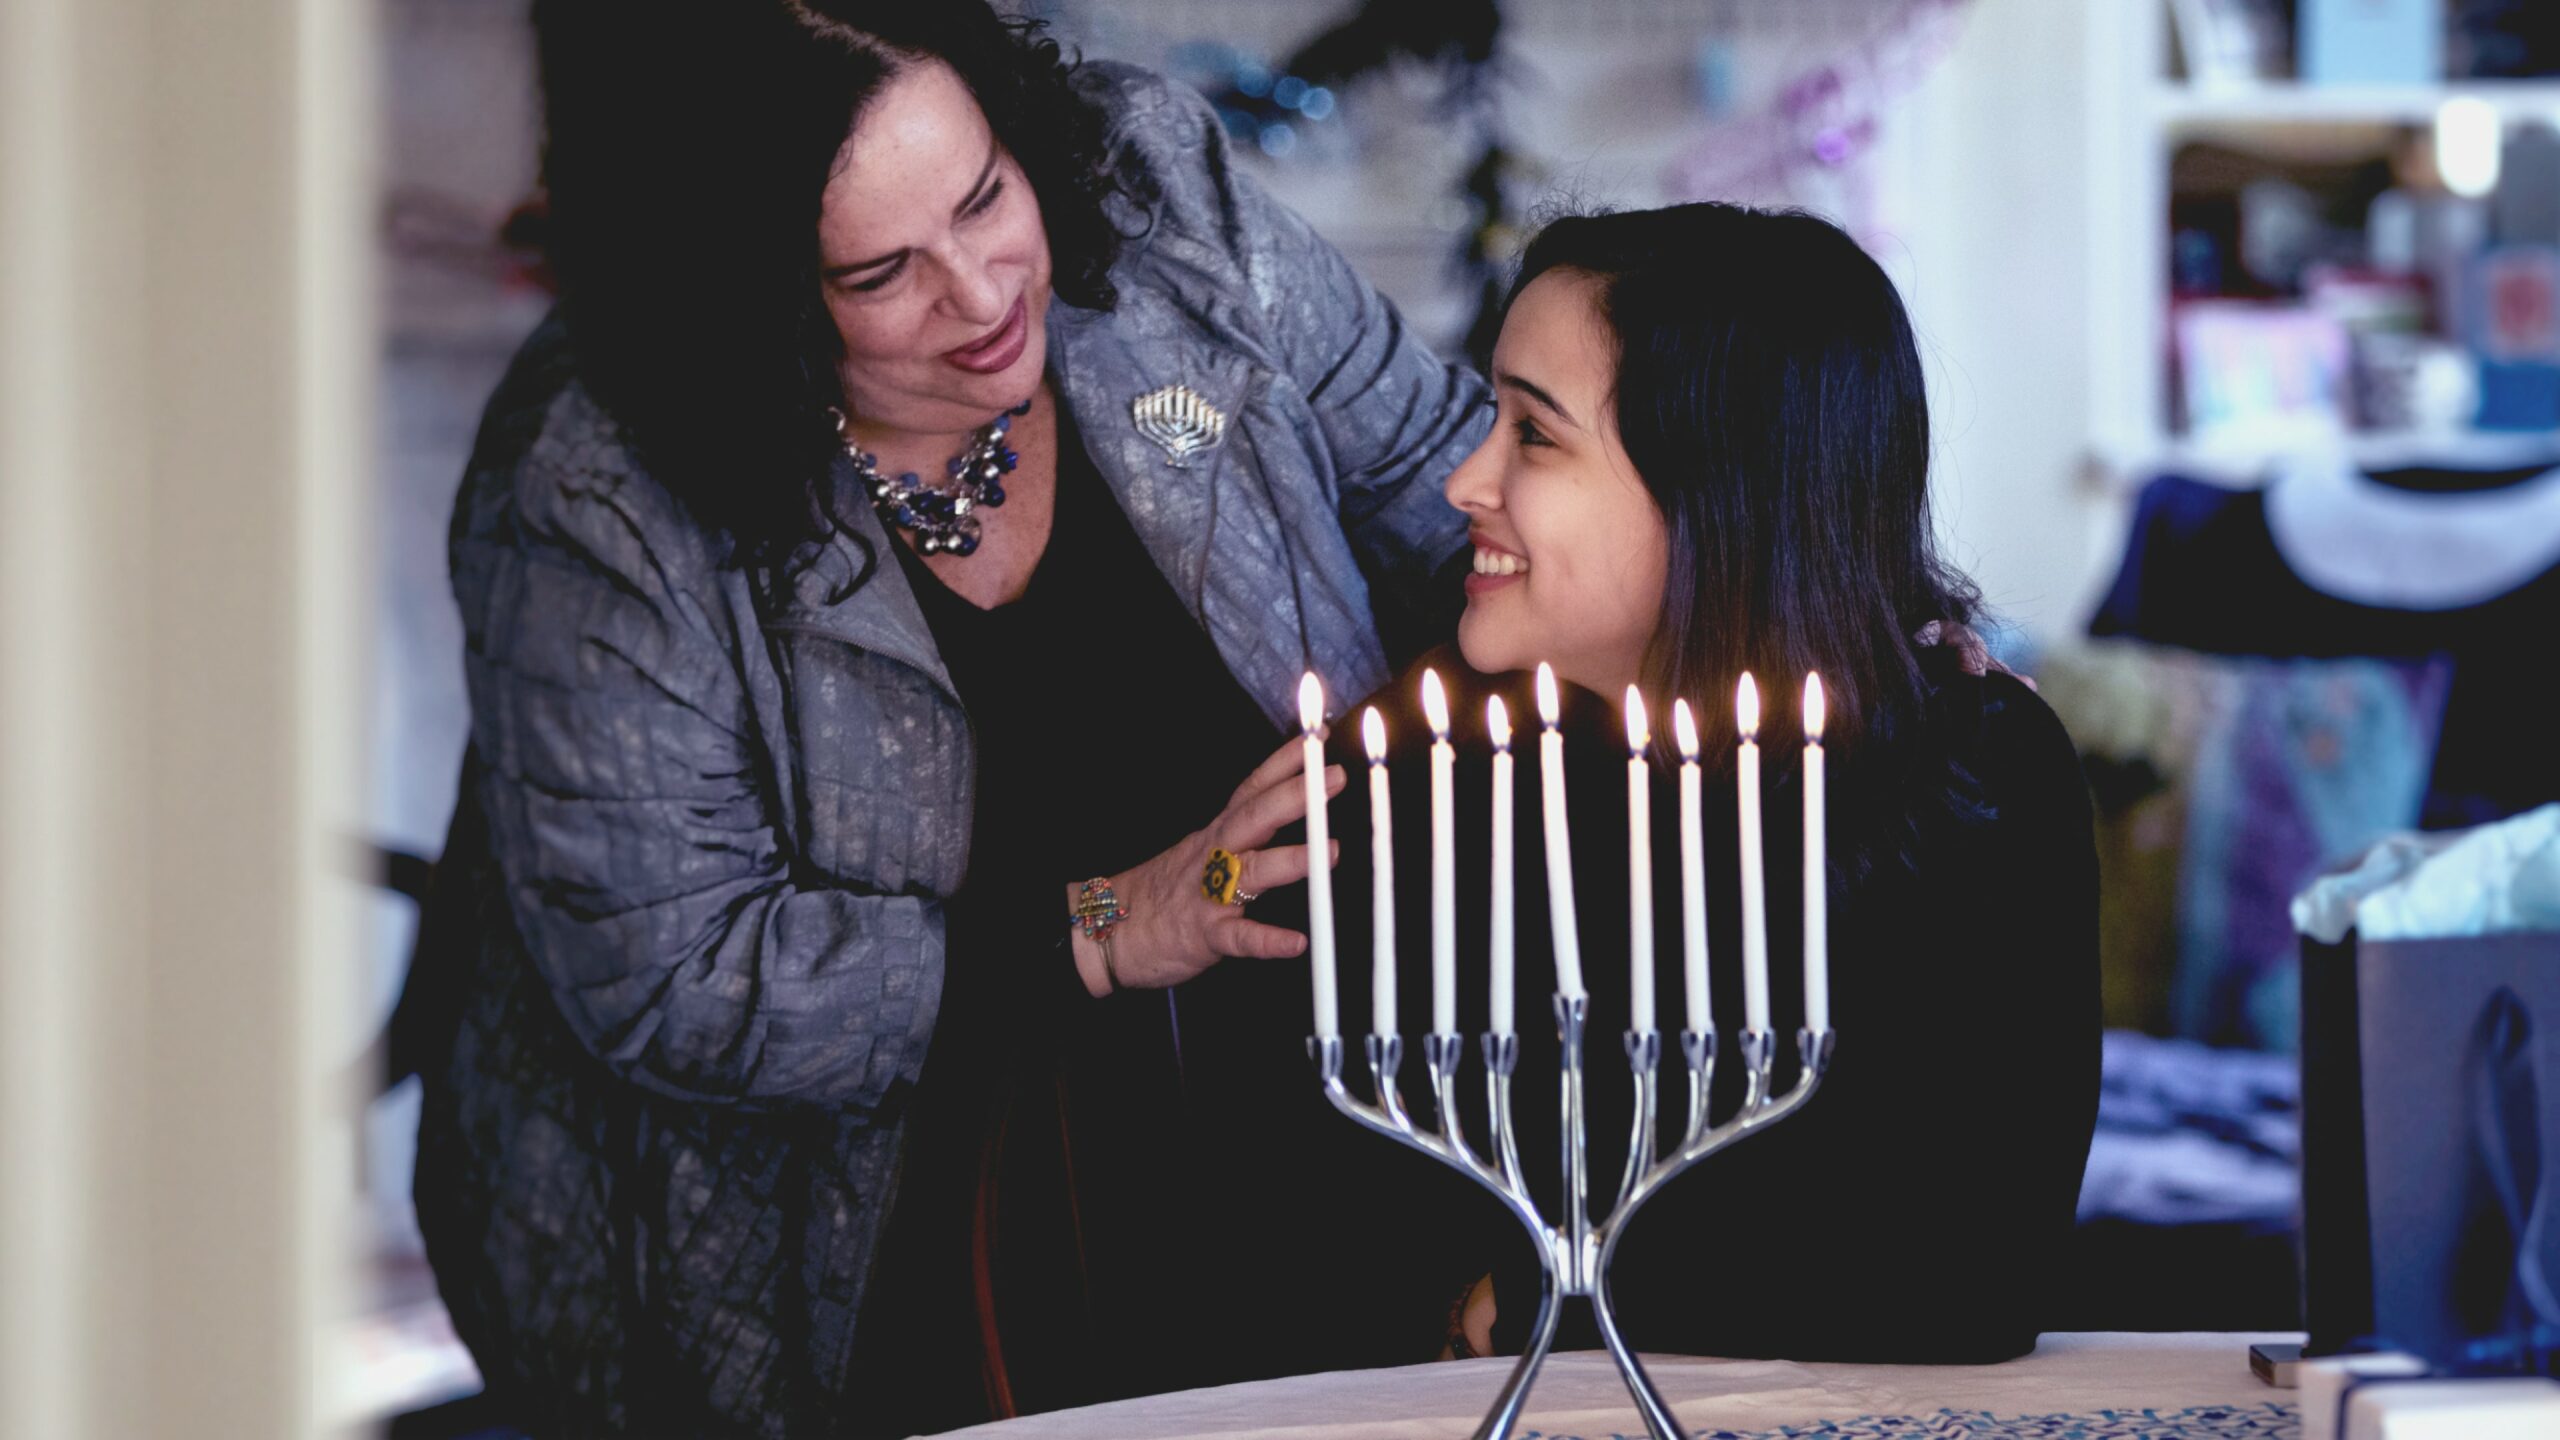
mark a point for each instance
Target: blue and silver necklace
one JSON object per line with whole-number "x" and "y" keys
{"x": 940, "y": 515}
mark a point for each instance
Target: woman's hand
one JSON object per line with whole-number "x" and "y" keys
{"x": 1174, "y": 930}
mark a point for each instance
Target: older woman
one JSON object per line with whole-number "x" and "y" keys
{"x": 878, "y": 578}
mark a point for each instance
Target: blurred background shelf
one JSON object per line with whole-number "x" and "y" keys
{"x": 2288, "y": 102}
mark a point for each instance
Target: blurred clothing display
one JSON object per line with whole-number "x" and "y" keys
{"x": 2406, "y": 566}
{"x": 2340, "y": 658}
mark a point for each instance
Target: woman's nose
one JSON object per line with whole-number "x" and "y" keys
{"x": 976, "y": 295}
{"x": 1476, "y": 485}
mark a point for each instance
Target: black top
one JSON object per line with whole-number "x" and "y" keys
{"x": 1911, "y": 1211}
{"x": 1121, "y": 1178}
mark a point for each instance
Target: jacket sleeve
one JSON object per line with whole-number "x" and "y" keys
{"x": 1394, "y": 418}
{"x": 631, "y": 813}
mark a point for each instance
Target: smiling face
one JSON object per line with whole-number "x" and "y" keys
{"x": 935, "y": 261}
{"x": 1571, "y": 550}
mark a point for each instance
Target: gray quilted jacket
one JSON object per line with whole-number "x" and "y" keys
{"x": 691, "y": 918}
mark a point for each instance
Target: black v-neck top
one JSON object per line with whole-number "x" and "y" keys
{"x": 1079, "y": 1162}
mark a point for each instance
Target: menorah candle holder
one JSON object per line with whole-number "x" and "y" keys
{"x": 1574, "y": 1254}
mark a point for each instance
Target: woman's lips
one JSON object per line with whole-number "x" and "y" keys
{"x": 999, "y": 349}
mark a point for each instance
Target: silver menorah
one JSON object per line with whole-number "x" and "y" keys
{"x": 1574, "y": 1254}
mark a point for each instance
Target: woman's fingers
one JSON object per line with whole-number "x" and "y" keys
{"x": 1253, "y": 940}
{"x": 1284, "y": 762}
{"x": 1254, "y": 822}
{"x": 1268, "y": 870}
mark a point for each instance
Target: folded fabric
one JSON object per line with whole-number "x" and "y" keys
{"x": 2493, "y": 880}
{"x": 2497, "y": 879}
{"x": 2327, "y": 910}
{"x": 2391, "y": 1400}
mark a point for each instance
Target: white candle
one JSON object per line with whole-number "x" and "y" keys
{"x": 1755, "y": 900}
{"x": 1817, "y": 909}
{"x": 1319, "y": 852}
{"x": 1497, "y": 722}
{"x": 1444, "y": 859}
{"x": 1693, "y": 874}
{"x": 1639, "y": 865}
{"x": 1382, "y": 879}
{"x": 1559, "y": 842}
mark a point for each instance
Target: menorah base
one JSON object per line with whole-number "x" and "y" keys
{"x": 1574, "y": 1256}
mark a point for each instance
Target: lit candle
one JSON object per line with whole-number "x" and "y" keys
{"x": 1497, "y": 720}
{"x": 1382, "y": 879}
{"x": 1319, "y": 852}
{"x": 1444, "y": 860}
{"x": 1755, "y": 900}
{"x": 1639, "y": 865}
{"x": 1559, "y": 841}
{"x": 1693, "y": 874}
{"x": 1817, "y": 910}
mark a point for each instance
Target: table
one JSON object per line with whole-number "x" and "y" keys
{"x": 2162, "y": 1387}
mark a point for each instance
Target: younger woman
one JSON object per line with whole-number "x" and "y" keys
{"x": 1711, "y": 457}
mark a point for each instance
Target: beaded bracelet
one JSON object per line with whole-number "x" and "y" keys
{"x": 1097, "y": 912}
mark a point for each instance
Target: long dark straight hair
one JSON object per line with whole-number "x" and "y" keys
{"x": 1769, "y": 393}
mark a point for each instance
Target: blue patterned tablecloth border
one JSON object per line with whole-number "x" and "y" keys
{"x": 2270, "y": 1421}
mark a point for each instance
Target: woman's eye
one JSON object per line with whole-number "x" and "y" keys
{"x": 1528, "y": 431}
{"x": 886, "y": 275}
{"x": 987, "y": 201}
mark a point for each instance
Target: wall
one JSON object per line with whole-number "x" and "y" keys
{"x": 1992, "y": 201}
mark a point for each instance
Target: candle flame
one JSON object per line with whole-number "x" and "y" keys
{"x": 1497, "y": 719}
{"x": 1310, "y": 702}
{"x": 1746, "y": 706}
{"x": 1373, "y": 733}
{"x": 1547, "y": 693}
{"x": 1684, "y": 728}
{"x": 1435, "y": 704}
{"x": 1639, "y": 732}
{"x": 1814, "y": 709}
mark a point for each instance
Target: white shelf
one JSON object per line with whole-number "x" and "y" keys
{"x": 2293, "y": 103}
{"x": 2243, "y": 463}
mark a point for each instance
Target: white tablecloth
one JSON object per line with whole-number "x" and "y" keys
{"x": 2139, "y": 1385}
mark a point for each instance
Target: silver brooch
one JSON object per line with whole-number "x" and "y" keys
{"x": 1179, "y": 421}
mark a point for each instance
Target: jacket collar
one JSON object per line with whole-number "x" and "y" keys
{"x": 1207, "y": 522}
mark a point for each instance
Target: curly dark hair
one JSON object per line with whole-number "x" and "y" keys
{"x": 688, "y": 143}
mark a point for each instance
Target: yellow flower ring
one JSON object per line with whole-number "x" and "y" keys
{"x": 1220, "y": 877}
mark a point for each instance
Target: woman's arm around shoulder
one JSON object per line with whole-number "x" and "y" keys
{"x": 1395, "y": 419}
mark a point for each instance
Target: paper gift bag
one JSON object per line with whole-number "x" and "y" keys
{"x": 2431, "y": 1141}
